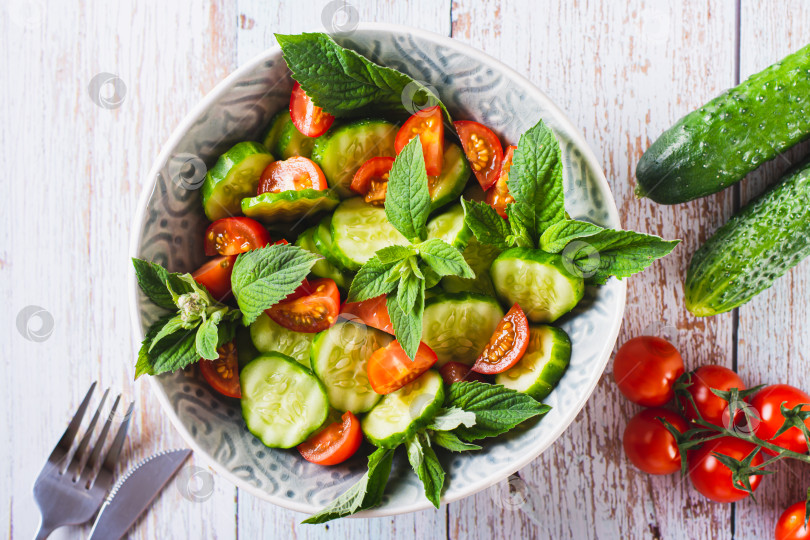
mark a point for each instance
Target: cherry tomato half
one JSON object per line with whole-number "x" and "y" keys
{"x": 223, "y": 373}
{"x": 649, "y": 445}
{"x": 712, "y": 478}
{"x": 314, "y": 312}
{"x": 645, "y": 369}
{"x": 498, "y": 196}
{"x": 768, "y": 403}
{"x": 483, "y": 150}
{"x": 713, "y": 408}
{"x": 307, "y": 117}
{"x": 790, "y": 525}
{"x": 372, "y": 312}
{"x": 371, "y": 179}
{"x": 507, "y": 344}
{"x": 234, "y": 235}
{"x": 389, "y": 368}
{"x": 293, "y": 174}
{"x": 215, "y": 275}
{"x": 457, "y": 372}
{"x": 335, "y": 443}
{"x": 429, "y": 125}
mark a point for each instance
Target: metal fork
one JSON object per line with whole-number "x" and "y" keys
{"x": 68, "y": 491}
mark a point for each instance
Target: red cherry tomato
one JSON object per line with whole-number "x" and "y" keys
{"x": 223, "y": 373}
{"x": 372, "y": 312}
{"x": 710, "y": 406}
{"x": 307, "y": 117}
{"x": 215, "y": 275}
{"x": 371, "y": 179}
{"x": 498, "y": 196}
{"x": 457, "y": 372}
{"x": 429, "y": 125}
{"x": 649, "y": 445}
{"x": 311, "y": 313}
{"x": 234, "y": 235}
{"x": 389, "y": 368}
{"x": 645, "y": 369}
{"x": 790, "y": 525}
{"x": 711, "y": 478}
{"x": 483, "y": 150}
{"x": 293, "y": 174}
{"x": 768, "y": 403}
{"x": 507, "y": 344}
{"x": 335, "y": 443}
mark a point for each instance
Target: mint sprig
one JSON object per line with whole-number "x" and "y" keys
{"x": 426, "y": 465}
{"x": 407, "y": 199}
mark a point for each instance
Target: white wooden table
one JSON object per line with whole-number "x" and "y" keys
{"x": 623, "y": 70}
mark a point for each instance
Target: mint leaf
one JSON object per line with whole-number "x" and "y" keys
{"x": 173, "y": 353}
{"x": 174, "y": 324}
{"x": 521, "y": 236}
{"x": 372, "y": 280}
{"x": 449, "y": 419}
{"x": 263, "y": 277}
{"x": 536, "y": 181}
{"x": 407, "y": 325}
{"x": 449, "y": 441}
{"x": 485, "y": 223}
{"x": 497, "y": 409}
{"x": 444, "y": 259}
{"x": 424, "y": 462}
{"x": 144, "y": 365}
{"x": 366, "y": 493}
{"x": 345, "y": 83}
{"x": 407, "y": 291}
{"x": 152, "y": 280}
{"x": 394, "y": 254}
{"x": 207, "y": 337}
{"x": 407, "y": 199}
{"x": 556, "y": 237}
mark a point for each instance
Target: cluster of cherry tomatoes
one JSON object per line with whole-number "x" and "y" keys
{"x": 646, "y": 369}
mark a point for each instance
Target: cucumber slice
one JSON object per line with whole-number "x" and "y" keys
{"x": 538, "y": 281}
{"x": 269, "y": 336}
{"x": 234, "y": 177}
{"x": 323, "y": 268}
{"x": 542, "y": 365}
{"x": 447, "y": 187}
{"x": 479, "y": 256}
{"x": 245, "y": 350}
{"x": 450, "y": 227}
{"x": 359, "y": 230}
{"x": 273, "y": 132}
{"x": 458, "y": 326}
{"x": 324, "y": 243}
{"x": 401, "y": 413}
{"x": 288, "y": 205}
{"x": 340, "y": 360}
{"x": 292, "y": 142}
{"x": 282, "y": 401}
{"x": 341, "y": 152}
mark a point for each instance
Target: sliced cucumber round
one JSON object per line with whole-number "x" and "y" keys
{"x": 458, "y": 326}
{"x": 342, "y": 151}
{"x": 234, "y": 177}
{"x": 447, "y": 187}
{"x": 479, "y": 256}
{"x": 291, "y": 205}
{"x": 292, "y": 142}
{"x": 359, "y": 230}
{"x": 450, "y": 227}
{"x": 273, "y": 133}
{"x": 340, "y": 360}
{"x": 538, "y": 281}
{"x": 323, "y": 268}
{"x": 543, "y": 364}
{"x": 401, "y": 413}
{"x": 324, "y": 243}
{"x": 282, "y": 401}
{"x": 269, "y": 336}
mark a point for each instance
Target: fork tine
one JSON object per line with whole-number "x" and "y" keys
{"x": 93, "y": 460}
{"x": 105, "y": 474}
{"x": 79, "y": 457}
{"x": 64, "y": 444}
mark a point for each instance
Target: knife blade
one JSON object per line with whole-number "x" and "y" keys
{"x": 133, "y": 493}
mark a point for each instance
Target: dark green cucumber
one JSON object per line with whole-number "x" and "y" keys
{"x": 715, "y": 146}
{"x": 758, "y": 245}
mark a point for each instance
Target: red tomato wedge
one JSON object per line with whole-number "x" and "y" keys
{"x": 483, "y": 150}
{"x": 234, "y": 235}
{"x": 389, "y": 368}
{"x": 215, "y": 275}
{"x": 371, "y": 179}
{"x": 498, "y": 196}
{"x": 294, "y": 174}
{"x": 429, "y": 125}
{"x": 507, "y": 344}
{"x": 457, "y": 372}
{"x": 307, "y": 117}
{"x": 311, "y": 313}
{"x": 223, "y": 373}
{"x": 335, "y": 443}
{"x": 372, "y": 312}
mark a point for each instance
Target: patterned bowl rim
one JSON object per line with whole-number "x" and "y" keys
{"x": 202, "y": 107}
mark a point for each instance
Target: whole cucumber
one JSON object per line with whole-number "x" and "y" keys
{"x": 759, "y": 244}
{"x": 715, "y": 146}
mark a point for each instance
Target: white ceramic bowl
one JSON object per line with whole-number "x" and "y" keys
{"x": 168, "y": 228}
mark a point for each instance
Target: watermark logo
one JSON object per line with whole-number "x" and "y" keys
{"x": 512, "y": 494}
{"x": 35, "y": 323}
{"x": 187, "y": 171}
{"x": 340, "y": 18}
{"x": 417, "y": 96}
{"x": 581, "y": 259}
{"x": 745, "y": 421}
{"x": 27, "y": 14}
{"x": 663, "y": 330}
{"x": 107, "y": 90}
{"x": 195, "y": 483}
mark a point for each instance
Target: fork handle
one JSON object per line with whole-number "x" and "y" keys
{"x": 45, "y": 530}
